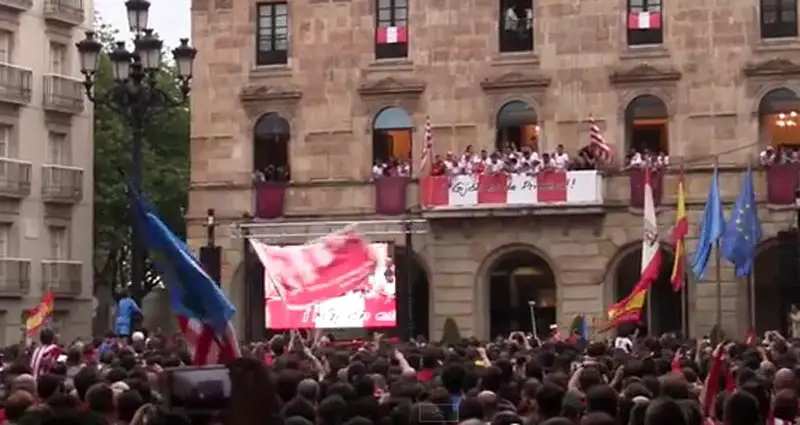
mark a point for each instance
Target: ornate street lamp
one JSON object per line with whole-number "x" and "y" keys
{"x": 135, "y": 95}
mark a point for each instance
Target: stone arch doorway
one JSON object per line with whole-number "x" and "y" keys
{"x": 775, "y": 286}
{"x": 413, "y": 294}
{"x": 271, "y": 136}
{"x": 664, "y": 303}
{"x": 517, "y": 126}
{"x": 392, "y": 137}
{"x": 515, "y": 279}
{"x": 779, "y": 118}
{"x": 646, "y": 125}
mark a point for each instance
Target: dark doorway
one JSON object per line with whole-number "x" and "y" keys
{"x": 518, "y": 278}
{"x": 664, "y": 302}
{"x": 646, "y": 119}
{"x": 271, "y": 136}
{"x": 517, "y": 126}
{"x": 415, "y": 301}
{"x": 776, "y": 282}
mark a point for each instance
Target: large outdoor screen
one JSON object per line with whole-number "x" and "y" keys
{"x": 373, "y": 307}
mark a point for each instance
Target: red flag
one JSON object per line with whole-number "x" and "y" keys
{"x": 391, "y": 35}
{"x": 644, "y": 20}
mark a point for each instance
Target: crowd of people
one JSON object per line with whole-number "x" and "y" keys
{"x": 292, "y": 380}
{"x": 780, "y": 155}
{"x": 272, "y": 173}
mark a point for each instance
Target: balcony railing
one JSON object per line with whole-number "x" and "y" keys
{"x": 637, "y": 178}
{"x": 16, "y": 84}
{"x": 15, "y": 178}
{"x": 63, "y": 94}
{"x": 15, "y": 277}
{"x": 63, "y": 277}
{"x": 62, "y": 184}
{"x": 20, "y": 5}
{"x": 69, "y": 12}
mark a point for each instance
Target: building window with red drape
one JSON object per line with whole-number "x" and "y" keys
{"x": 645, "y": 22}
{"x": 391, "y": 29}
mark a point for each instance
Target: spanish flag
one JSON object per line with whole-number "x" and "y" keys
{"x": 679, "y": 239}
{"x": 629, "y": 310}
{"x": 40, "y": 315}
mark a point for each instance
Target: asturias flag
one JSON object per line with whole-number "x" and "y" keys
{"x": 711, "y": 229}
{"x": 202, "y": 310}
{"x": 743, "y": 232}
{"x": 40, "y": 315}
{"x": 679, "y": 239}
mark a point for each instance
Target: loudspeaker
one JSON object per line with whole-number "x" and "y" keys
{"x": 788, "y": 261}
{"x": 211, "y": 259}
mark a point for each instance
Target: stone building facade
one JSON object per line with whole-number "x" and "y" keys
{"x": 716, "y": 83}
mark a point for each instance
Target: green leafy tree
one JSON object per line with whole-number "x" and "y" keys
{"x": 165, "y": 173}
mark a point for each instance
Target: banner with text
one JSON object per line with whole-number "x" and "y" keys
{"x": 497, "y": 190}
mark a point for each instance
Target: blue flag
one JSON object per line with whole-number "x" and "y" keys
{"x": 711, "y": 229}
{"x": 193, "y": 294}
{"x": 743, "y": 232}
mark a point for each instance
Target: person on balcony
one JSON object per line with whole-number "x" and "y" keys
{"x": 768, "y": 156}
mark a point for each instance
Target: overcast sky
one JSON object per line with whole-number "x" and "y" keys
{"x": 170, "y": 18}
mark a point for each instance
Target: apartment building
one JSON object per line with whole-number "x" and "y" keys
{"x": 327, "y": 88}
{"x": 45, "y": 165}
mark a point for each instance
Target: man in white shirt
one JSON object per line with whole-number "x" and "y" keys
{"x": 560, "y": 158}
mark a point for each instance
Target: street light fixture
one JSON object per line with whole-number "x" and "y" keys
{"x": 135, "y": 95}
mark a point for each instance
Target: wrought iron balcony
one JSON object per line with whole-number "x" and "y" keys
{"x": 15, "y": 277}
{"x": 16, "y": 84}
{"x": 68, "y": 12}
{"x": 62, "y": 184}
{"x": 15, "y": 178}
{"x": 63, "y": 94}
{"x": 62, "y": 277}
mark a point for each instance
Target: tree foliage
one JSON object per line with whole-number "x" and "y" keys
{"x": 165, "y": 172}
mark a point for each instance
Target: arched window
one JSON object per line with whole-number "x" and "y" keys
{"x": 392, "y": 137}
{"x": 271, "y": 136}
{"x": 779, "y": 123}
{"x": 646, "y": 122}
{"x": 517, "y": 125}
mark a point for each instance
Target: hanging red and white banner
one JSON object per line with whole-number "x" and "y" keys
{"x": 391, "y": 35}
{"x": 501, "y": 190}
{"x": 644, "y": 20}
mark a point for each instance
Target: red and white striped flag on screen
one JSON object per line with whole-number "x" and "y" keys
{"x": 427, "y": 148}
{"x": 391, "y": 35}
{"x": 597, "y": 140}
{"x": 644, "y": 20}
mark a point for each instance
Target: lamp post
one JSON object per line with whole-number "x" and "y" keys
{"x": 136, "y": 97}
{"x": 211, "y": 254}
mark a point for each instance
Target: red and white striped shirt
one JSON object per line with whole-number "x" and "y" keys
{"x": 43, "y": 358}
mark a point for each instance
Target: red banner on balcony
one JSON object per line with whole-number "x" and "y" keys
{"x": 269, "y": 199}
{"x": 497, "y": 190}
{"x": 636, "y": 176}
{"x": 390, "y": 195}
{"x": 782, "y": 181}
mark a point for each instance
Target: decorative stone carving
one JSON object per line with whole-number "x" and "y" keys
{"x": 644, "y": 73}
{"x": 391, "y": 86}
{"x": 260, "y": 93}
{"x": 771, "y": 67}
{"x": 515, "y": 80}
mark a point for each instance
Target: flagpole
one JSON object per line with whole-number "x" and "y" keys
{"x": 650, "y": 289}
{"x": 718, "y": 257}
{"x": 684, "y": 301}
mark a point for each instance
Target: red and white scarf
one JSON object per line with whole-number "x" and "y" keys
{"x": 43, "y": 358}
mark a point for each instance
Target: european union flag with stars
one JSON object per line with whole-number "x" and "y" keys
{"x": 743, "y": 232}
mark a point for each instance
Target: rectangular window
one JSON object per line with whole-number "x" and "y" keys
{"x": 58, "y": 58}
{"x": 58, "y": 242}
{"x": 57, "y": 149}
{"x": 6, "y": 41}
{"x": 272, "y": 43}
{"x": 391, "y": 29}
{"x": 5, "y": 240}
{"x": 778, "y": 18}
{"x": 644, "y": 22}
{"x": 5, "y": 141}
{"x": 516, "y": 25}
